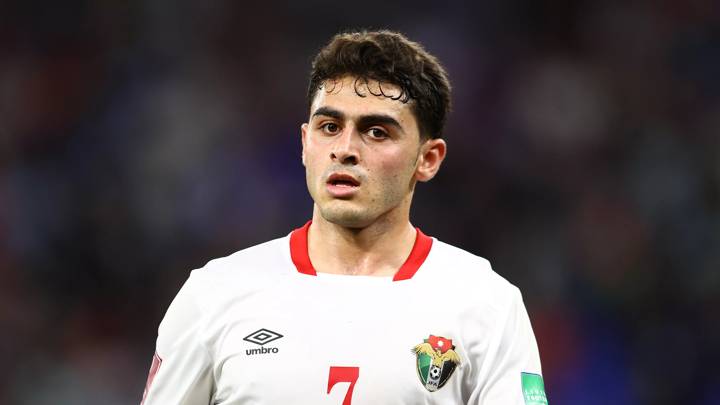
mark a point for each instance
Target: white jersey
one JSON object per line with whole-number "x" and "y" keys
{"x": 262, "y": 327}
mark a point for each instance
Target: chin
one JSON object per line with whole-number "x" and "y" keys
{"x": 346, "y": 217}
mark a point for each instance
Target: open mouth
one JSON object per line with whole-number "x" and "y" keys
{"x": 342, "y": 180}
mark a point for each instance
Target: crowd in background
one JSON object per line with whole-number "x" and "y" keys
{"x": 139, "y": 139}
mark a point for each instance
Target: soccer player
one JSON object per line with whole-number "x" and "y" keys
{"x": 358, "y": 306}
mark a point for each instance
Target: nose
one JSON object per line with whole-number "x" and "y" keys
{"x": 345, "y": 148}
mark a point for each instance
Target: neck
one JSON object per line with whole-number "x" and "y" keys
{"x": 379, "y": 249}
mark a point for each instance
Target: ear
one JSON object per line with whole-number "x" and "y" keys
{"x": 303, "y": 131}
{"x": 432, "y": 154}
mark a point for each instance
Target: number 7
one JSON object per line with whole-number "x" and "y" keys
{"x": 343, "y": 374}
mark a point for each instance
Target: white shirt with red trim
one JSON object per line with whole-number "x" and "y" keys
{"x": 262, "y": 327}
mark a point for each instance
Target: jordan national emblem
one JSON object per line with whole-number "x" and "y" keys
{"x": 436, "y": 361}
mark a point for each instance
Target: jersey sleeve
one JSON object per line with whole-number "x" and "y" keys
{"x": 181, "y": 372}
{"x": 513, "y": 375}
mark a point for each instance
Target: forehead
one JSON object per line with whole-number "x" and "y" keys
{"x": 357, "y": 97}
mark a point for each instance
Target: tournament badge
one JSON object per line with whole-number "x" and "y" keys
{"x": 436, "y": 361}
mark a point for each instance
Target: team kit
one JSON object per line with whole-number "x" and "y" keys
{"x": 314, "y": 338}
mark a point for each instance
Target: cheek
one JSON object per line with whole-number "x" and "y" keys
{"x": 311, "y": 155}
{"x": 310, "y": 164}
{"x": 397, "y": 170}
{"x": 312, "y": 172}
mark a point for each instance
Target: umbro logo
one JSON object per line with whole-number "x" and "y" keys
{"x": 261, "y": 337}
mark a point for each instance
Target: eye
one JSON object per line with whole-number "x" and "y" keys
{"x": 377, "y": 133}
{"x": 330, "y": 128}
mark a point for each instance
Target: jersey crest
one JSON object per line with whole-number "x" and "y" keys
{"x": 436, "y": 361}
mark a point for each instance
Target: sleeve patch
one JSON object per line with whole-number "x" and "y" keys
{"x": 533, "y": 389}
{"x": 154, "y": 367}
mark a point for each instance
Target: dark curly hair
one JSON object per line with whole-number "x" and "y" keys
{"x": 388, "y": 57}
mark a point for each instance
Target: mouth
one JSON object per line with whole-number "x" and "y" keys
{"x": 342, "y": 180}
{"x": 342, "y": 185}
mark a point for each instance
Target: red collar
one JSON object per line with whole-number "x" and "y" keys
{"x": 301, "y": 259}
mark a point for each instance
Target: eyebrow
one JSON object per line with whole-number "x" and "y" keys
{"x": 363, "y": 120}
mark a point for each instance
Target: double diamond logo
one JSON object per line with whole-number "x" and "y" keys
{"x": 262, "y": 336}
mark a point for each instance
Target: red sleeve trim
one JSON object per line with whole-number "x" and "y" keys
{"x": 154, "y": 367}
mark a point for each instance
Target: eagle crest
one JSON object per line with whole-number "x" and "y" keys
{"x": 438, "y": 358}
{"x": 436, "y": 361}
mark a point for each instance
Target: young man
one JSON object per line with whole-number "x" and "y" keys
{"x": 357, "y": 306}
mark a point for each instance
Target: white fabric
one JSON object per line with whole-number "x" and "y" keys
{"x": 371, "y": 323}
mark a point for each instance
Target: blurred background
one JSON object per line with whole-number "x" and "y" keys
{"x": 139, "y": 139}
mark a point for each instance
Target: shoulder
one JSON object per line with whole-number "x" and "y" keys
{"x": 208, "y": 289}
{"x": 262, "y": 259}
{"x": 471, "y": 276}
{"x": 239, "y": 272}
